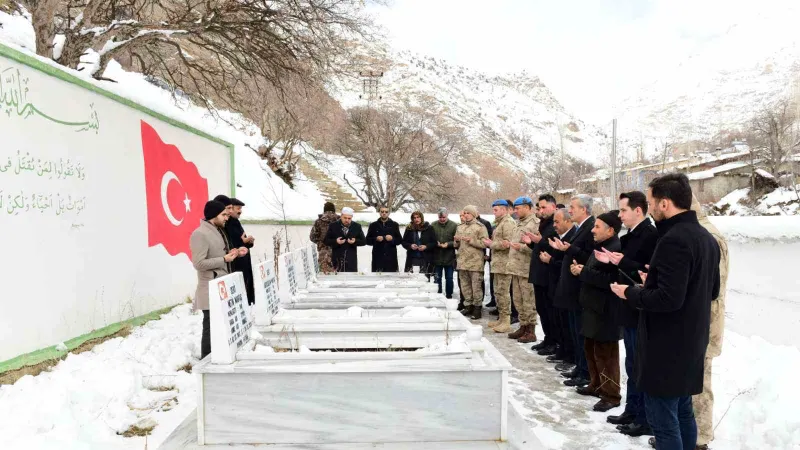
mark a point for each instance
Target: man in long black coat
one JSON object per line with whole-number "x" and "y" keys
{"x": 384, "y": 237}
{"x": 238, "y": 238}
{"x": 638, "y": 245}
{"x": 569, "y": 286}
{"x": 553, "y": 259}
{"x": 538, "y": 276}
{"x": 674, "y": 313}
{"x": 344, "y": 237}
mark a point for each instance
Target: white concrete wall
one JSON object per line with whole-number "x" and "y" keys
{"x": 69, "y": 271}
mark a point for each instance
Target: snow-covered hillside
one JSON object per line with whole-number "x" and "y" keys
{"x": 497, "y": 113}
{"x": 728, "y": 78}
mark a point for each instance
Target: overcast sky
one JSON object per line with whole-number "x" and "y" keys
{"x": 591, "y": 53}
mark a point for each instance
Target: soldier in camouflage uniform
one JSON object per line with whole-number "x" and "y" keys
{"x": 470, "y": 260}
{"x": 317, "y": 236}
{"x": 500, "y": 243}
{"x": 519, "y": 263}
{"x": 704, "y": 403}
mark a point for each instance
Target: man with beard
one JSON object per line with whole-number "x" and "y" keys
{"x": 238, "y": 238}
{"x": 444, "y": 255}
{"x": 418, "y": 240}
{"x": 212, "y": 256}
{"x": 539, "y": 277}
{"x": 384, "y": 237}
{"x": 674, "y": 313}
{"x": 638, "y": 245}
{"x": 344, "y": 237}
{"x": 318, "y": 233}
{"x": 599, "y": 328}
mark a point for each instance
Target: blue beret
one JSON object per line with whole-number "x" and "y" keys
{"x": 523, "y": 201}
{"x": 500, "y": 202}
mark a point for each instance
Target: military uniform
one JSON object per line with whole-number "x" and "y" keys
{"x": 470, "y": 261}
{"x": 703, "y": 403}
{"x": 503, "y": 230}
{"x": 519, "y": 263}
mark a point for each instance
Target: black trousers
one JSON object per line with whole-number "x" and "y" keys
{"x": 561, "y": 330}
{"x": 542, "y": 308}
{"x": 205, "y": 340}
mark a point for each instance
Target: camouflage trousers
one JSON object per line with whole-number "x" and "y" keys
{"x": 470, "y": 283}
{"x": 325, "y": 257}
{"x": 523, "y": 300}
{"x": 502, "y": 293}
{"x": 704, "y": 408}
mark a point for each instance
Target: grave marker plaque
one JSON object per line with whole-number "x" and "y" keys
{"x": 267, "y": 300}
{"x": 289, "y": 274}
{"x": 306, "y": 265}
{"x": 315, "y": 256}
{"x": 231, "y": 318}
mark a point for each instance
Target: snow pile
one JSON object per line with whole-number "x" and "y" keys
{"x": 87, "y": 399}
{"x": 455, "y": 344}
{"x": 355, "y": 311}
{"x": 759, "y": 228}
{"x": 784, "y": 201}
{"x": 417, "y": 312}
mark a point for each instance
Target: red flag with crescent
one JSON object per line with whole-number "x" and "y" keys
{"x": 176, "y": 194}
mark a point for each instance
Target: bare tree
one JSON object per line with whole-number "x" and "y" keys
{"x": 399, "y": 156}
{"x": 204, "y": 46}
{"x": 774, "y": 124}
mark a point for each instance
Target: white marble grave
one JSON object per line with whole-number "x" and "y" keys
{"x": 439, "y": 395}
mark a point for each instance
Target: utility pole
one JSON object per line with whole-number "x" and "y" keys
{"x": 614, "y": 163}
{"x": 369, "y": 82}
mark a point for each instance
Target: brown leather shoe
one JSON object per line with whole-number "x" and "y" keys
{"x": 529, "y": 336}
{"x": 519, "y": 333}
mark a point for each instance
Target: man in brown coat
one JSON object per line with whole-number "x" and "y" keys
{"x": 211, "y": 257}
{"x": 470, "y": 259}
{"x": 519, "y": 264}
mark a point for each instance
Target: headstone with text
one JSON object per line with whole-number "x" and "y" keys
{"x": 231, "y": 318}
{"x": 267, "y": 300}
{"x": 307, "y": 274}
{"x": 315, "y": 256}
{"x": 287, "y": 277}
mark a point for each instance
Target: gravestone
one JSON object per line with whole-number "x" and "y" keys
{"x": 315, "y": 256}
{"x": 309, "y": 277}
{"x": 267, "y": 300}
{"x": 287, "y": 277}
{"x": 231, "y": 318}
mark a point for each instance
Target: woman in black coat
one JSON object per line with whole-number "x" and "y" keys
{"x": 419, "y": 240}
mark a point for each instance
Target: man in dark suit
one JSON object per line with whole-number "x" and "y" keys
{"x": 384, "y": 237}
{"x": 569, "y": 286}
{"x": 345, "y": 236}
{"x": 552, "y": 259}
{"x": 674, "y": 313}
{"x": 638, "y": 245}
{"x": 538, "y": 275}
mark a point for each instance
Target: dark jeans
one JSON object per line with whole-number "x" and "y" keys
{"x": 448, "y": 277}
{"x": 205, "y": 340}
{"x": 575, "y": 322}
{"x": 540, "y": 297}
{"x": 491, "y": 287}
{"x": 672, "y": 421}
{"x": 634, "y": 400}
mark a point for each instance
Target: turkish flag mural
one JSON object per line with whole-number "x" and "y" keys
{"x": 176, "y": 194}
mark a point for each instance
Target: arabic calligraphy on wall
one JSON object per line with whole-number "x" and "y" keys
{"x": 14, "y": 102}
{"x": 59, "y": 169}
{"x": 59, "y": 204}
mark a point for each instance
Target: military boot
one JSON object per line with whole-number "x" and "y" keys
{"x": 503, "y": 325}
{"x": 519, "y": 333}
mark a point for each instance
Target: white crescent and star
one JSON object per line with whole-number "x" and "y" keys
{"x": 165, "y": 180}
